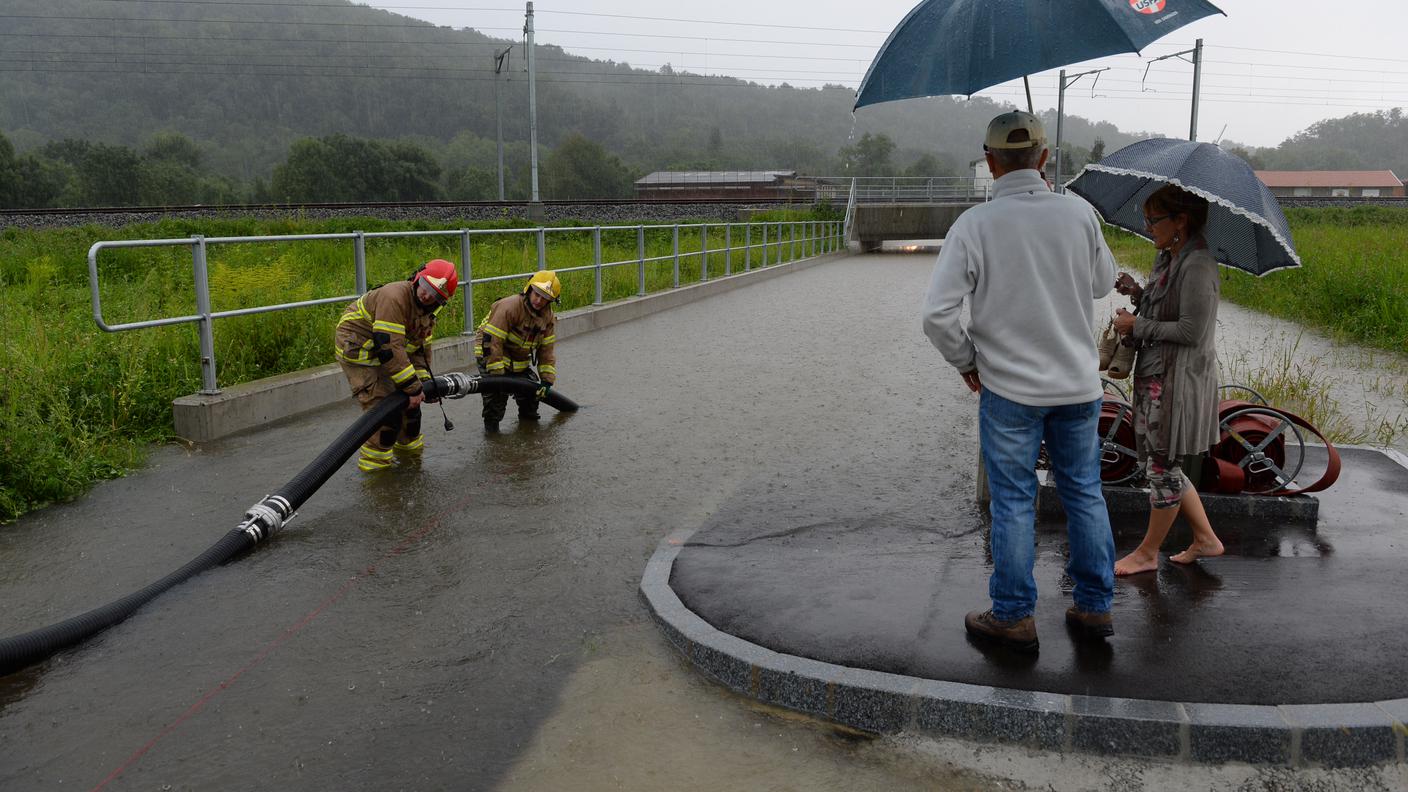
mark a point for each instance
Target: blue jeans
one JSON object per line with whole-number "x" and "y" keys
{"x": 1011, "y": 436}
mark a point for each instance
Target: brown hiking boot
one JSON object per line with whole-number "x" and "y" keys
{"x": 1090, "y": 625}
{"x": 1019, "y": 634}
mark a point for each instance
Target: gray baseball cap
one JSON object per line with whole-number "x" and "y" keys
{"x": 1003, "y": 129}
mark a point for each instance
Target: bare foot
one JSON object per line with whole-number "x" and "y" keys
{"x": 1194, "y": 552}
{"x": 1136, "y": 562}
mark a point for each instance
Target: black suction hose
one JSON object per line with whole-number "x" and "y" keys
{"x": 261, "y": 521}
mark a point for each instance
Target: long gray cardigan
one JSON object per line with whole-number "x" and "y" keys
{"x": 1189, "y": 353}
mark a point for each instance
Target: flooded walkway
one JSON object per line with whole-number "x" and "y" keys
{"x": 471, "y": 622}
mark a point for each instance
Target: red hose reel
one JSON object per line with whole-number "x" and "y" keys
{"x": 1260, "y": 450}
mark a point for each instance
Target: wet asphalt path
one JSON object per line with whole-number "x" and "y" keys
{"x": 1291, "y": 614}
{"x": 412, "y": 631}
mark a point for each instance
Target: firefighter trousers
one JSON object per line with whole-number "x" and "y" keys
{"x": 369, "y": 386}
{"x": 496, "y": 404}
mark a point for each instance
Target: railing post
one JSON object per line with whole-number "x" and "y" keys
{"x": 792, "y": 240}
{"x": 468, "y": 283}
{"x": 359, "y": 257}
{"x": 596, "y": 257}
{"x": 704, "y": 253}
{"x": 765, "y": 244}
{"x": 542, "y": 248}
{"x": 747, "y": 247}
{"x": 677, "y": 254}
{"x": 201, "y": 274}
{"x": 728, "y": 249}
{"x": 640, "y": 254}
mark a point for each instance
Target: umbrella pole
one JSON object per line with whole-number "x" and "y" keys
{"x": 1027, "y": 84}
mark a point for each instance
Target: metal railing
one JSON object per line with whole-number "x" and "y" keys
{"x": 772, "y": 242}
{"x": 906, "y": 189}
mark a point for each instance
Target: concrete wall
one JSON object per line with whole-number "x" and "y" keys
{"x": 205, "y": 417}
{"x": 874, "y": 224}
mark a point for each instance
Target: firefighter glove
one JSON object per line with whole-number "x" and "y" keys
{"x": 543, "y": 388}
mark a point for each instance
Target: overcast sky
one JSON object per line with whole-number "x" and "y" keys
{"x": 1271, "y": 67}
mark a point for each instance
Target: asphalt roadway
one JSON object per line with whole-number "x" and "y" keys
{"x": 471, "y": 621}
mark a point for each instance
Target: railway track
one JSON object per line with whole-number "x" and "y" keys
{"x": 601, "y": 210}
{"x": 595, "y": 208}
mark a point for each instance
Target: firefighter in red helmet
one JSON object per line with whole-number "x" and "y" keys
{"x": 383, "y": 344}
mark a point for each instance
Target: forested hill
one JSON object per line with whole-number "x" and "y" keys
{"x": 245, "y": 80}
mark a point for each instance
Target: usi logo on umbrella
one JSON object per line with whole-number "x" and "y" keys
{"x": 1147, "y": 6}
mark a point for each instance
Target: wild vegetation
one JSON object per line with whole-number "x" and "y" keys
{"x": 1353, "y": 286}
{"x": 80, "y": 405}
{"x": 1353, "y": 283}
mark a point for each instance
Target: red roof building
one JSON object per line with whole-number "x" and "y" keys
{"x": 1323, "y": 184}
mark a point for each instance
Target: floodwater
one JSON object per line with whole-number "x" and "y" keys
{"x": 471, "y": 621}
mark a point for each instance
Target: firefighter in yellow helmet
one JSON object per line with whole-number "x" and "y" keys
{"x": 519, "y": 331}
{"x": 383, "y": 344}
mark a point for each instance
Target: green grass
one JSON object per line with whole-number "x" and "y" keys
{"x": 1352, "y": 284}
{"x": 80, "y": 405}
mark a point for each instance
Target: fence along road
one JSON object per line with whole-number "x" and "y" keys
{"x": 731, "y": 248}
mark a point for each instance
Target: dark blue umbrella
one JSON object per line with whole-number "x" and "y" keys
{"x": 963, "y": 46}
{"x": 1245, "y": 229}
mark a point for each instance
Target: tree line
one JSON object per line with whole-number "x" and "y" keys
{"x": 171, "y": 169}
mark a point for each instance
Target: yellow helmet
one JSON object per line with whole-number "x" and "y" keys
{"x": 546, "y": 284}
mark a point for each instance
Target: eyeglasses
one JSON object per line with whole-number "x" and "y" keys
{"x": 1150, "y": 222}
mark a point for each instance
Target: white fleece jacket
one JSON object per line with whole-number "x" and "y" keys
{"x": 1031, "y": 263}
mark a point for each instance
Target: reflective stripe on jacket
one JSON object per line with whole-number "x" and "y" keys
{"x": 389, "y": 328}
{"x": 511, "y": 335}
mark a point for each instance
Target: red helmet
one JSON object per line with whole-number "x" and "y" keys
{"x": 441, "y": 277}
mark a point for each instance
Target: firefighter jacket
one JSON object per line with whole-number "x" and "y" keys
{"x": 512, "y": 335}
{"x": 388, "y": 327}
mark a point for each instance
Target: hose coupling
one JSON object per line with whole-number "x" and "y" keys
{"x": 455, "y": 385}
{"x": 267, "y": 517}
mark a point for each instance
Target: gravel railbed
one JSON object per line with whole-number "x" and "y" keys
{"x": 607, "y": 214}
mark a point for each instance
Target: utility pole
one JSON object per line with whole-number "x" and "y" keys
{"x": 535, "y": 208}
{"x": 1197, "y": 53}
{"x": 500, "y": 63}
{"x": 1061, "y": 115}
{"x": 1197, "y": 82}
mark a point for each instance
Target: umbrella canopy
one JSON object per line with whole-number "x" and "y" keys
{"x": 1245, "y": 228}
{"x": 963, "y": 46}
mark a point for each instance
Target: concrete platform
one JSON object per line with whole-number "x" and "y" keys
{"x": 1128, "y": 499}
{"x": 1288, "y": 650}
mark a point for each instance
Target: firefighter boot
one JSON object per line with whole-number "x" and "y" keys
{"x": 376, "y": 452}
{"x": 412, "y": 445}
{"x": 373, "y": 459}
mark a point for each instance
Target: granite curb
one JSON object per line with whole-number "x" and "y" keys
{"x": 1300, "y": 735}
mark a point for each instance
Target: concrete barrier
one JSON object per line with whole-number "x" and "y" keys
{"x": 202, "y": 417}
{"x": 878, "y": 223}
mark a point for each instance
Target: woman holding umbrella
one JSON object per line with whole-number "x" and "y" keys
{"x": 1175, "y": 371}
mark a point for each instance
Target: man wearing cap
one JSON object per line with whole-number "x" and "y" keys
{"x": 1031, "y": 264}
